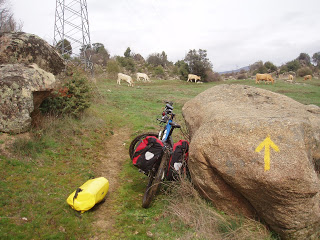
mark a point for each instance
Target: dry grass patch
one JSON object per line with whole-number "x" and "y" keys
{"x": 186, "y": 204}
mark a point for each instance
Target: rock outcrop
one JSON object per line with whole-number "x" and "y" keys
{"x": 227, "y": 123}
{"x": 19, "y": 47}
{"x": 22, "y": 90}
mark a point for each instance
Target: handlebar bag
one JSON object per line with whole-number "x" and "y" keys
{"x": 148, "y": 152}
{"x": 175, "y": 166}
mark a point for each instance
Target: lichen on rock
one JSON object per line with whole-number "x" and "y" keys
{"x": 18, "y": 84}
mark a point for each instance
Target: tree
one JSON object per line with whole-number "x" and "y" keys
{"x": 100, "y": 55}
{"x": 7, "y": 20}
{"x": 157, "y": 59}
{"x": 183, "y": 69}
{"x": 283, "y": 69}
{"x": 262, "y": 69}
{"x": 198, "y": 62}
{"x": 127, "y": 63}
{"x": 138, "y": 57}
{"x": 254, "y": 67}
{"x": 64, "y": 46}
{"x": 164, "y": 58}
{"x": 304, "y": 59}
{"x": 316, "y": 58}
{"x": 99, "y": 48}
{"x": 86, "y": 47}
{"x": 293, "y": 65}
{"x": 127, "y": 53}
{"x": 270, "y": 66}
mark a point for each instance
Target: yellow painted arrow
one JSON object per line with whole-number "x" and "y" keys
{"x": 267, "y": 143}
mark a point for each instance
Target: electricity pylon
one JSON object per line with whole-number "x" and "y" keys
{"x": 71, "y": 30}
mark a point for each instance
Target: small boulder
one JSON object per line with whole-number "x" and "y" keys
{"x": 227, "y": 123}
{"x": 22, "y": 90}
{"x": 20, "y": 47}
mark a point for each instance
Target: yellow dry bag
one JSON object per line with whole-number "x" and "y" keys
{"x": 89, "y": 194}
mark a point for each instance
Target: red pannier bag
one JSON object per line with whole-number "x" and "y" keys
{"x": 180, "y": 150}
{"x": 148, "y": 152}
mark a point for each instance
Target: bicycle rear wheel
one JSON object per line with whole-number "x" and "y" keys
{"x": 136, "y": 140}
{"x": 155, "y": 181}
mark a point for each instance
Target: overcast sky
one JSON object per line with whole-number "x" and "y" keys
{"x": 235, "y": 33}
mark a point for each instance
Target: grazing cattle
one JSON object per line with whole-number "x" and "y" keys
{"x": 290, "y": 77}
{"x": 264, "y": 77}
{"x": 126, "y": 78}
{"x": 192, "y": 76}
{"x": 306, "y": 77}
{"x": 144, "y": 77}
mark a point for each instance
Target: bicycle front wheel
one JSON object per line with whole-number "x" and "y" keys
{"x": 155, "y": 181}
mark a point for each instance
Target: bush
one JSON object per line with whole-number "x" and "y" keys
{"x": 72, "y": 99}
{"x": 242, "y": 76}
{"x": 157, "y": 59}
{"x": 283, "y": 69}
{"x": 304, "y": 71}
{"x": 183, "y": 69}
{"x": 270, "y": 66}
{"x": 159, "y": 71}
{"x": 113, "y": 68}
{"x": 212, "y": 77}
{"x": 127, "y": 63}
{"x": 293, "y": 65}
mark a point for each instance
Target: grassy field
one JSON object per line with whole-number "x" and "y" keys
{"x": 39, "y": 170}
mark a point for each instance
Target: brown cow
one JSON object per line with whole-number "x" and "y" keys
{"x": 264, "y": 77}
{"x": 306, "y": 77}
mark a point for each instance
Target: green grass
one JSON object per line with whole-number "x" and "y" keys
{"x": 43, "y": 170}
{"x": 306, "y": 92}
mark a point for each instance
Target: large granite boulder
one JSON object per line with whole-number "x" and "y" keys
{"x": 22, "y": 90}
{"x": 20, "y": 47}
{"x": 229, "y": 165}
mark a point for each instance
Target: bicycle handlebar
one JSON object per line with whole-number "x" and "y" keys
{"x": 167, "y": 111}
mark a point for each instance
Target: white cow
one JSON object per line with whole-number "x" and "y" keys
{"x": 126, "y": 78}
{"x": 193, "y": 76}
{"x": 144, "y": 77}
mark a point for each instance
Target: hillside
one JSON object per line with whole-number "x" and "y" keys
{"x": 41, "y": 168}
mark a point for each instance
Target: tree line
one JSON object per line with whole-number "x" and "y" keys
{"x": 301, "y": 66}
{"x": 157, "y": 64}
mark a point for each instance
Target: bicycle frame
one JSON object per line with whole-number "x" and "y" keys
{"x": 167, "y": 117}
{"x": 166, "y": 133}
{"x": 157, "y": 174}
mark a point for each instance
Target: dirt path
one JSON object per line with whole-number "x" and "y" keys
{"x": 112, "y": 155}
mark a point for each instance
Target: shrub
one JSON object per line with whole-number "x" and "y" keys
{"x": 270, "y": 66}
{"x": 113, "y": 68}
{"x": 212, "y": 77}
{"x": 159, "y": 71}
{"x": 283, "y": 69}
{"x": 183, "y": 69}
{"x": 127, "y": 63}
{"x": 304, "y": 71}
{"x": 157, "y": 59}
{"x": 72, "y": 99}
{"x": 242, "y": 76}
{"x": 293, "y": 65}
